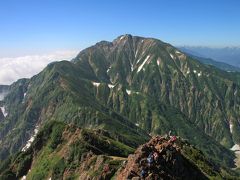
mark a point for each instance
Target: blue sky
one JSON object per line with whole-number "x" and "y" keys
{"x": 30, "y": 27}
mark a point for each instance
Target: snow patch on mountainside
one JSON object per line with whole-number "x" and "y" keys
{"x": 29, "y": 142}
{"x": 4, "y": 111}
{"x": 128, "y": 91}
{"x": 158, "y": 62}
{"x": 177, "y": 52}
{"x": 24, "y": 178}
{"x": 110, "y": 86}
{"x": 24, "y": 95}
{"x": 231, "y": 127}
{"x": 136, "y": 53}
{"x": 235, "y": 148}
{"x": 172, "y": 56}
{"x": 138, "y": 61}
{"x": 198, "y": 73}
{"x": 235, "y": 93}
{"x": 132, "y": 67}
{"x": 96, "y": 84}
{"x": 141, "y": 66}
{"x": 121, "y": 37}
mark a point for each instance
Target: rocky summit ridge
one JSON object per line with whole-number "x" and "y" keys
{"x": 167, "y": 158}
{"x": 62, "y": 151}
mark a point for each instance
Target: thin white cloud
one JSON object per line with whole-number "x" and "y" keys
{"x": 12, "y": 69}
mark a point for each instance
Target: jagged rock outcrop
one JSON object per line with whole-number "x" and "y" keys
{"x": 163, "y": 158}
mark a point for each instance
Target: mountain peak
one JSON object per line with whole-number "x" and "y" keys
{"x": 125, "y": 36}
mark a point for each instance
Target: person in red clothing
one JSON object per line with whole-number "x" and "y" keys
{"x": 172, "y": 139}
{"x": 106, "y": 168}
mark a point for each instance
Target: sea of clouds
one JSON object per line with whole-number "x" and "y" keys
{"x": 14, "y": 68}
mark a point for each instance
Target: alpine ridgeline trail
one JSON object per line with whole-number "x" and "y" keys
{"x": 61, "y": 151}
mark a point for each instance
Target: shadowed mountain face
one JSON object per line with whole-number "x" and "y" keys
{"x": 3, "y": 91}
{"x": 131, "y": 87}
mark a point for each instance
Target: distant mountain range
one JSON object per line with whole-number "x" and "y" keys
{"x": 111, "y": 98}
{"x": 229, "y": 55}
{"x": 217, "y": 64}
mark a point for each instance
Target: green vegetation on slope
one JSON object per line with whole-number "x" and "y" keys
{"x": 130, "y": 87}
{"x": 59, "y": 149}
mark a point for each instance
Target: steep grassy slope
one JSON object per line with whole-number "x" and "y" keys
{"x": 61, "y": 150}
{"x": 60, "y": 92}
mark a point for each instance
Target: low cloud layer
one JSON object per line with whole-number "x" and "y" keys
{"x": 12, "y": 69}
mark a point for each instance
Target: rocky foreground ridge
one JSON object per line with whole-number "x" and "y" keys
{"x": 167, "y": 158}
{"x": 62, "y": 151}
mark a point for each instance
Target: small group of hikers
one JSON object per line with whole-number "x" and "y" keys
{"x": 160, "y": 154}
